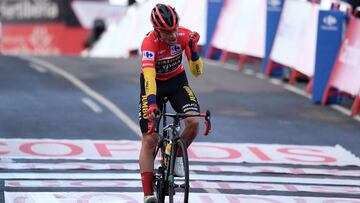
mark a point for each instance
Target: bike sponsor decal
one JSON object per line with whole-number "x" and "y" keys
{"x": 193, "y": 167}
{"x": 137, "y": 197}
{"x": 198, "y": 151}
{"x": 136, "y": 176}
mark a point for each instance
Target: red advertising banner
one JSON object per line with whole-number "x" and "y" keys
{"x": 41, "y": 27}
{"x": 43, "y": 39}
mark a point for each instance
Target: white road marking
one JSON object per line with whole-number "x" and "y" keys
{"x": 193, "y": 167}
{"x": 207, "y": 189}
{"x": 210, "y": 187}
{"x": 136, "y": 176}
{"x": 341, "y": 109}
{"x": 248, "y": 71}
{"x": 275, "y": 81}
{"x": 38, "y": 68}
{"x": 137, "y": 197}
{"x": 344, "y": 111}
{"x": 92, "y": 105}
{"x": 260, "y": 76}
{"x": 296, "y": 90}
{"x": 212, "y": 190}
{"x": 230, "y": 66}
{"x": 213, "y": 62}
{"x": 90, "y": 92}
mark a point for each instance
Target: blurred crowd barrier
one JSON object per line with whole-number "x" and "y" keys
{"x": 317, "y": 39}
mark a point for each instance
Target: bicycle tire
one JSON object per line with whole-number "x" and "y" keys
{"x": 179, "y": 187}
{"x": 159, "y": 181}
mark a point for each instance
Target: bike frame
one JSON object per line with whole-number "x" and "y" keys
{"x": 164, "y": 175}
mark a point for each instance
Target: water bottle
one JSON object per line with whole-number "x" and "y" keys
{"x": 167, "y": 153}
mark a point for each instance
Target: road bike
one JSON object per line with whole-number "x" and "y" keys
{"x": 165, "y": 182}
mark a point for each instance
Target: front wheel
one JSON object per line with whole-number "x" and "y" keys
{"x": 159, "y": 175}
{"x": 179, "y": 186}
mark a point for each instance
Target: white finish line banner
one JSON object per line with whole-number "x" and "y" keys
{"x": 137, "y": 197}
{"x": 199, "y": 151}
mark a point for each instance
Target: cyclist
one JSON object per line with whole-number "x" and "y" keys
{"x": 163, "y": 75}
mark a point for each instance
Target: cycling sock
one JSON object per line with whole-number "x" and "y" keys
{"x": 146, "y": 180}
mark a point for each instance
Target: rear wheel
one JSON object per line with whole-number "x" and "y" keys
{"x": 179, "y": 186}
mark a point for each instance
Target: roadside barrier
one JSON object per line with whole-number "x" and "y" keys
{"x": 346, "y": 73}
{"x": 295, "y": 41}
{"x": 273, "y": 12}
{"x": 329, "y": 36}
{"x": 240, "y": 30}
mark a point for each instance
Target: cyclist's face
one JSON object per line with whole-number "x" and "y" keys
{"x": 169, "y": 37}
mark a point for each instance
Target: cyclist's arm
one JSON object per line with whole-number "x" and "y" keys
{"x": 150, "y": 84}
{"x": 195, "y": 62}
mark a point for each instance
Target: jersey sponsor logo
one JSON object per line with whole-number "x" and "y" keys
{"x": 148, "y": 55}
{"x": 168, "y": 65}
{"x": 175, "y": 49}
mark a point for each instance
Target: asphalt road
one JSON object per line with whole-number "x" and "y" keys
{"x": 90, "y": 99}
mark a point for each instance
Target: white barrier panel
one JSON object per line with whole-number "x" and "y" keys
{"x": 114, "y": 42}
{"x": 88, "y": 11}
{"x": 200, "y": 151}
{"x": 295, "y": 41}
{"x": 128, "y": 34}
{"x": 241, "y": 27}
{"x": 346, "y": 73}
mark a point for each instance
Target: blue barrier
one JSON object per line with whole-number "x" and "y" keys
{"x": 273, "y": 13}
{"x": 213, "y": 13}
{"x": 329, "y": 36}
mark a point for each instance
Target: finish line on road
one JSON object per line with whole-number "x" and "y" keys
{"x": 193, "y": 167}
{"x": 121, "y": 184}
{"x": 136, "y": 176}
{"x": 137, "y": 197}
{"x": 199, "y": 151}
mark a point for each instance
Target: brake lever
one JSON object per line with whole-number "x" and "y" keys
{"x": 152, "y": 124}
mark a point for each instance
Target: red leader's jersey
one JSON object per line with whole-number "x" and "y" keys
{"x": 166, "y": 59}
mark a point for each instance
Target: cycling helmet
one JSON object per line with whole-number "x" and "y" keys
{"x": 164, "y": 17}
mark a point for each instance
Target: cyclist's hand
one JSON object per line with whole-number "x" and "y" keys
{"x": 194, "y": 39}
{"x": 152, "y": 112}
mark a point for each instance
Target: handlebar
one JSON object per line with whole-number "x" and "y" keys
{"x": 181, "y": 116}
